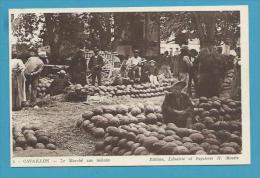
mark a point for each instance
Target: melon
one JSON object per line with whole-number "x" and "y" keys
{"x": 194, "y": 149}
{"x": 141, "y": 151}
{"x": 97, "y": 111}
{"x": 31, "y": 139}
{"x": 115, "y": 150}
{"x": 197, "y": 137}
{"x": 108, "y": 148}
{"x": 99, "y": 146}
{"x": 170, "y": 132}
{"x": 168, "y": 139}
{"x": 98, "y": 132}
{"x": 183, "y": 132}
{"x": 122, "y": 109}
{"x": 18, "y": 149}
{"x": 180, "y": 150}
{"x": 186, "y": 139}
{"x": 198, "y": 126}
{"x": 135, "y": 111}
{"x": 158, "y": 145}
{"x": 134, "y": 146}
{"x": 51, "y": 146}
{"x": 167, "y": 149}
{"x": 151, "y": 118}
{"x": 39, "y": 146}
{"x": 227, "y": 150}
{"x": 20, "y": 141}
{"x": 87, "y": 115}
{"x": 200, "y": 152}
{"x": 43, "y": 139}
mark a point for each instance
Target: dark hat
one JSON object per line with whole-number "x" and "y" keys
{"x": 178, "y": 86}
{"x": 136, "y": 51}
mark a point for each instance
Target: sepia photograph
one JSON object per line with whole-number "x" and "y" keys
{"x": 129, "y": 86}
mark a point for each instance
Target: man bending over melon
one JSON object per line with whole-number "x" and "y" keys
{"x": 177, "y": 107}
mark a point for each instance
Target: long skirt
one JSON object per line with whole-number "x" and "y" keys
{"x": 18, "y": 90}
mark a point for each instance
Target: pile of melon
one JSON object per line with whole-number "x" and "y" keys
{"x": 97, "y": 120}
{"x": 76, "y": 92}
{"x": 32, "y": 138}
{"x": 162, "y": 139}
{"x": 139, "y": 129}
{"x": 44, "y": 84}
{"x": 145, "y": 90}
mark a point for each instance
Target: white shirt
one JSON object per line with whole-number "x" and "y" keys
{"x": 134, "y": 61}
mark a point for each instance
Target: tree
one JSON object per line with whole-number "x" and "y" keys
{"x": 64, "y": 32}
{"x": 212, "y": 27}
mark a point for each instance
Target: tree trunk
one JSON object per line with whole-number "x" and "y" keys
{"x": 205, "y": 23}
{"x": 53, "y": 38}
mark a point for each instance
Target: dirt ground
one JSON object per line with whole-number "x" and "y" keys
{"x": 58, "y": 118}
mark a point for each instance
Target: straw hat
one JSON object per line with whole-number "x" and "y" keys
{"x": 152, "y": 61}
{"x": 179, "y": 86}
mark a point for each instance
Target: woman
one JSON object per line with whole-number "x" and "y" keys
{"x": 18, "y": 83}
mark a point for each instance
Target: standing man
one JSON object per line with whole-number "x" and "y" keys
{"x": 166, "y": 65}
{"x": 184, "y": 66}
{"x": 33, "y": 69}
{"x": 193, "y": 70}
{"x": 78, "y": 68}
{"x": 96, "y": 63}
{"x": 133, "y": 64}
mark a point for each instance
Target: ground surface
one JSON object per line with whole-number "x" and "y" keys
{"x": 59, "y": 117}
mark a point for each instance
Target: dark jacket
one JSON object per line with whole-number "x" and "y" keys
{"x": 96, "y": 63}
{"x": 174, "y": 104}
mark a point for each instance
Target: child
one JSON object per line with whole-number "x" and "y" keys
{"x": 153, "y": 72}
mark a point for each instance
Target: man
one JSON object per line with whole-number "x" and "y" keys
{"x": 78, "y": 68}
{"x": 133, "y": 65}
{"x": 96, "y": 63}
{"x": 184, "y": 66}
{"x": 18, "y": 83}
{"x": 33, "y": 69}
{"x": 166, "y": 65}
{"x": 177, "y": 107}
{"x": 236, "y": 81}
{"x": 193, "y": 70}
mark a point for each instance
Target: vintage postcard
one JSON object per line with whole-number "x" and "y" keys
{"x": 135, "y": 86}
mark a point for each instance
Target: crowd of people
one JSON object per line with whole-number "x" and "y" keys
{"x": 204, "y": 70}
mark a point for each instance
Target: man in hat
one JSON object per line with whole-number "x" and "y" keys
{"x": 95, "y": 64}
{"x": 33, "y": 69}
{"x": 133, "y": 64}
{"x": 177, "y": 107}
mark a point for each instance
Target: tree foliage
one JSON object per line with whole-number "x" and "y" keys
{"x": 212, "y": 28}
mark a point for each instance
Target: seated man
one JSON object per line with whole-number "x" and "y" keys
{"x": 133, "y": 64}
{"x": 177, "y": 107}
